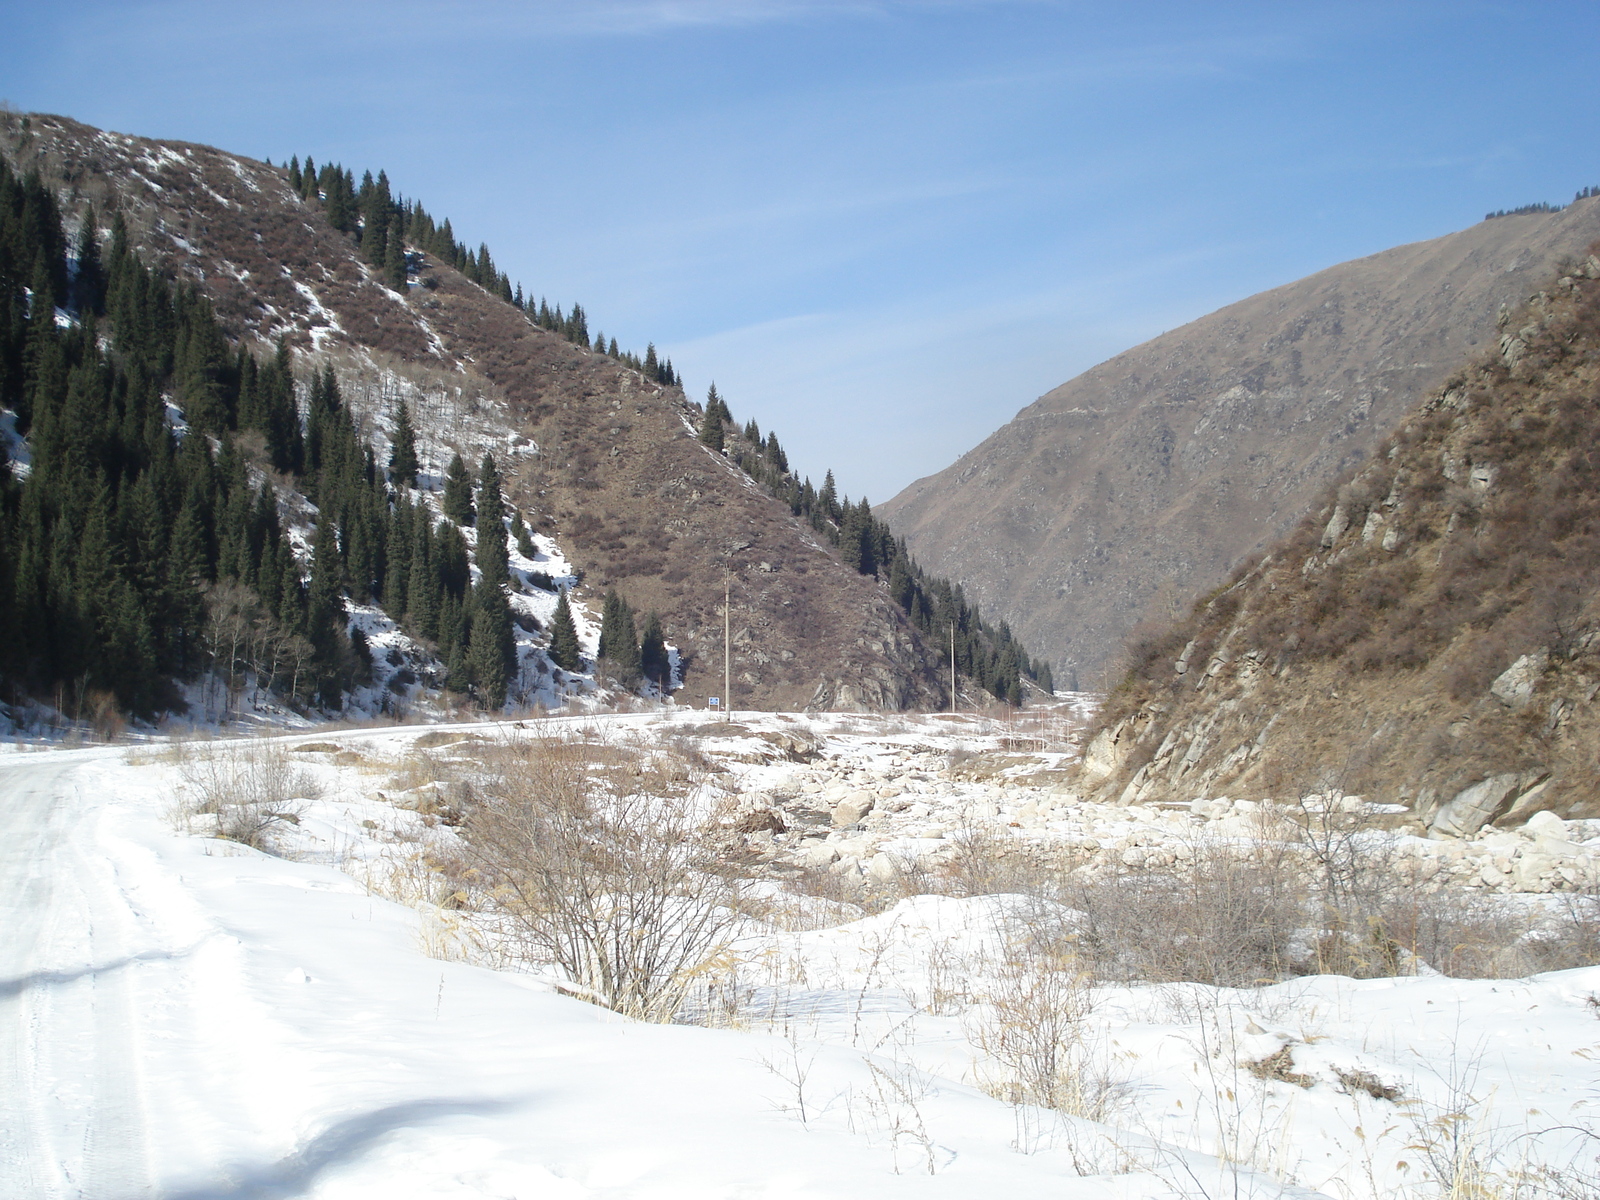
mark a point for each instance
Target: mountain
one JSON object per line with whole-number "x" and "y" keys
{"x": 1427, "y": 635}
{"x": 596, "y": 449}
{"x": 1121, "y": 494}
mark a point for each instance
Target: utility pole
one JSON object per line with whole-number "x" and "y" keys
{"x": 952, "y": 666}
{"x": 727, "y": 648}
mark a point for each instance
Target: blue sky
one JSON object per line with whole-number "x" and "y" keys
{"x": 881, "y": 226}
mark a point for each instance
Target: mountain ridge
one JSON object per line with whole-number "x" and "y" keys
{"x": 586, "y": 442}
{"x": 1114, "y": 498}
{"x": 1426, "y": 635}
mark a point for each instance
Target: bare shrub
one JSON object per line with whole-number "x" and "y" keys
{"x": 1225, "y": 916}
{"x": 252, "y": 792}
{"x": 604, "y": 870}
{"x": 1279, "y": 1065}
{"x": 1034, "y": 1028}
{"x": 1359, "y": 1079}
{"x": 1572, "y": 937}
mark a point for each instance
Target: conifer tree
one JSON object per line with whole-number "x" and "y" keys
{"x": 565, "y": 651}
{"x": 403, "y": 464}
{"x": 711, "y": 423}
{"x": 457, "y": 501}
{"x": 653, "y": 658}
{"x": 525, "y": 546}
{"x": 325, "y": 616}
{"x": 89, "y": 283}
{"x": 394, "y": 256}
{"x": 619, "y": 639}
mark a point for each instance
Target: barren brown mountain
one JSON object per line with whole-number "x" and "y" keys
{"x": 595, "y": 453}
{"x": 1119, "y": 496}
{"x": 1427, "y": 635}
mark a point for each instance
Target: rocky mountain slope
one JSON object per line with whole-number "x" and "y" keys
{"x": 595, "y": 454}
{"x": 1426, "y": 636}
{"x": 1117, "y": 497}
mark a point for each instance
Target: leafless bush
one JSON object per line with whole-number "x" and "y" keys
{"x": 604, "y": 870}
{"x": 1572, "y": 938}
{"x": 1224, "y": 915}
{"x": 252, "y": 792}
{"x": 1034, "y": 1028}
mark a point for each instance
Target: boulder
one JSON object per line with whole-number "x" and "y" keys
{"x": 852, "y": 808}
{"x": 1475, "y": 806}
{"x": 1514, "y": 686}
{"x": 1546, "y": 824}
{"x": 817, "y": 855}
{"x": 882, "y": 867}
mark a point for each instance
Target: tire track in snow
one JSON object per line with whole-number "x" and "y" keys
{"x": 74, "y": 1111}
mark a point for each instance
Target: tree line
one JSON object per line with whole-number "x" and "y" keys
{"x": 991, "y": 655}
{"x": 383, "y": 225}
{"x": 143, "y": 545}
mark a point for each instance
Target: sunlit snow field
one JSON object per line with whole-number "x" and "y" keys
{"x": 187, "y": 1016}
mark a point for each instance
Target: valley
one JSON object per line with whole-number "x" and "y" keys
{"x": 441, "y": 757}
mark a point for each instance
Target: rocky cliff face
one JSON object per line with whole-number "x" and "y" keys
{"x": 1428, "y": 634}
{"x": 593, "y": 453}
{"x": 1117, "y": 497}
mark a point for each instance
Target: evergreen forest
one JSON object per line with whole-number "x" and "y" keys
{"x": 145, "y": 544}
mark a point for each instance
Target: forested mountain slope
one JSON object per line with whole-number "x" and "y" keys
{"x": 1121, "y": 494}
{"x": 313, "y": 299}
{"x": 1427, "y": 634}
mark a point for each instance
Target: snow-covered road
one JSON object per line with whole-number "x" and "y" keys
{"x": 77, "y": 963}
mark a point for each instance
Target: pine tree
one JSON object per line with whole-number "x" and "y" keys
{"x": 525, "y": 546}
{"x": 403, "y": 464}
{"x": 619, "y": 640}
{"x": 394, "y": 256}
{"x": 88, "y": 282}
{"x": 653, "y": 658}
{"x": 565, "y": 651}
{"x": 711, "y": 423}
{"x": 828, "y": 499}
{"x": 325, "y": 618}
{"x": 457, "y": 502}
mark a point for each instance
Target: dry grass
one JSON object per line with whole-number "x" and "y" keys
{"x": 251, "y": 792}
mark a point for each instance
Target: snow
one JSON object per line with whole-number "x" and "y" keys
{"x": 185, "y": 1016}
{"x": 17, "y": 453}
{"x": 324, "y": 323}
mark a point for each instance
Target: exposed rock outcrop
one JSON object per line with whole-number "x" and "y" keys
{"x": 1428, "y": 635}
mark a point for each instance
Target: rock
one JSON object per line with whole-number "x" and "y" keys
{"x": 797, "y": 745}
{"x": 1546, "y": 824}
{"x": 761, "y": 820}
{"x": 852, "y": 809}
{"x": 1514, "y": 686}
{"x": 1337, "y": 524}
{"x": 817, "y": 855}
{"x": 1532, "y": 871}
{"x": 1558, "y": 847}
{"x": 1475, "y": 806}
{"x": 1106, "y": 753}
{"x": 882, "y": 867}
